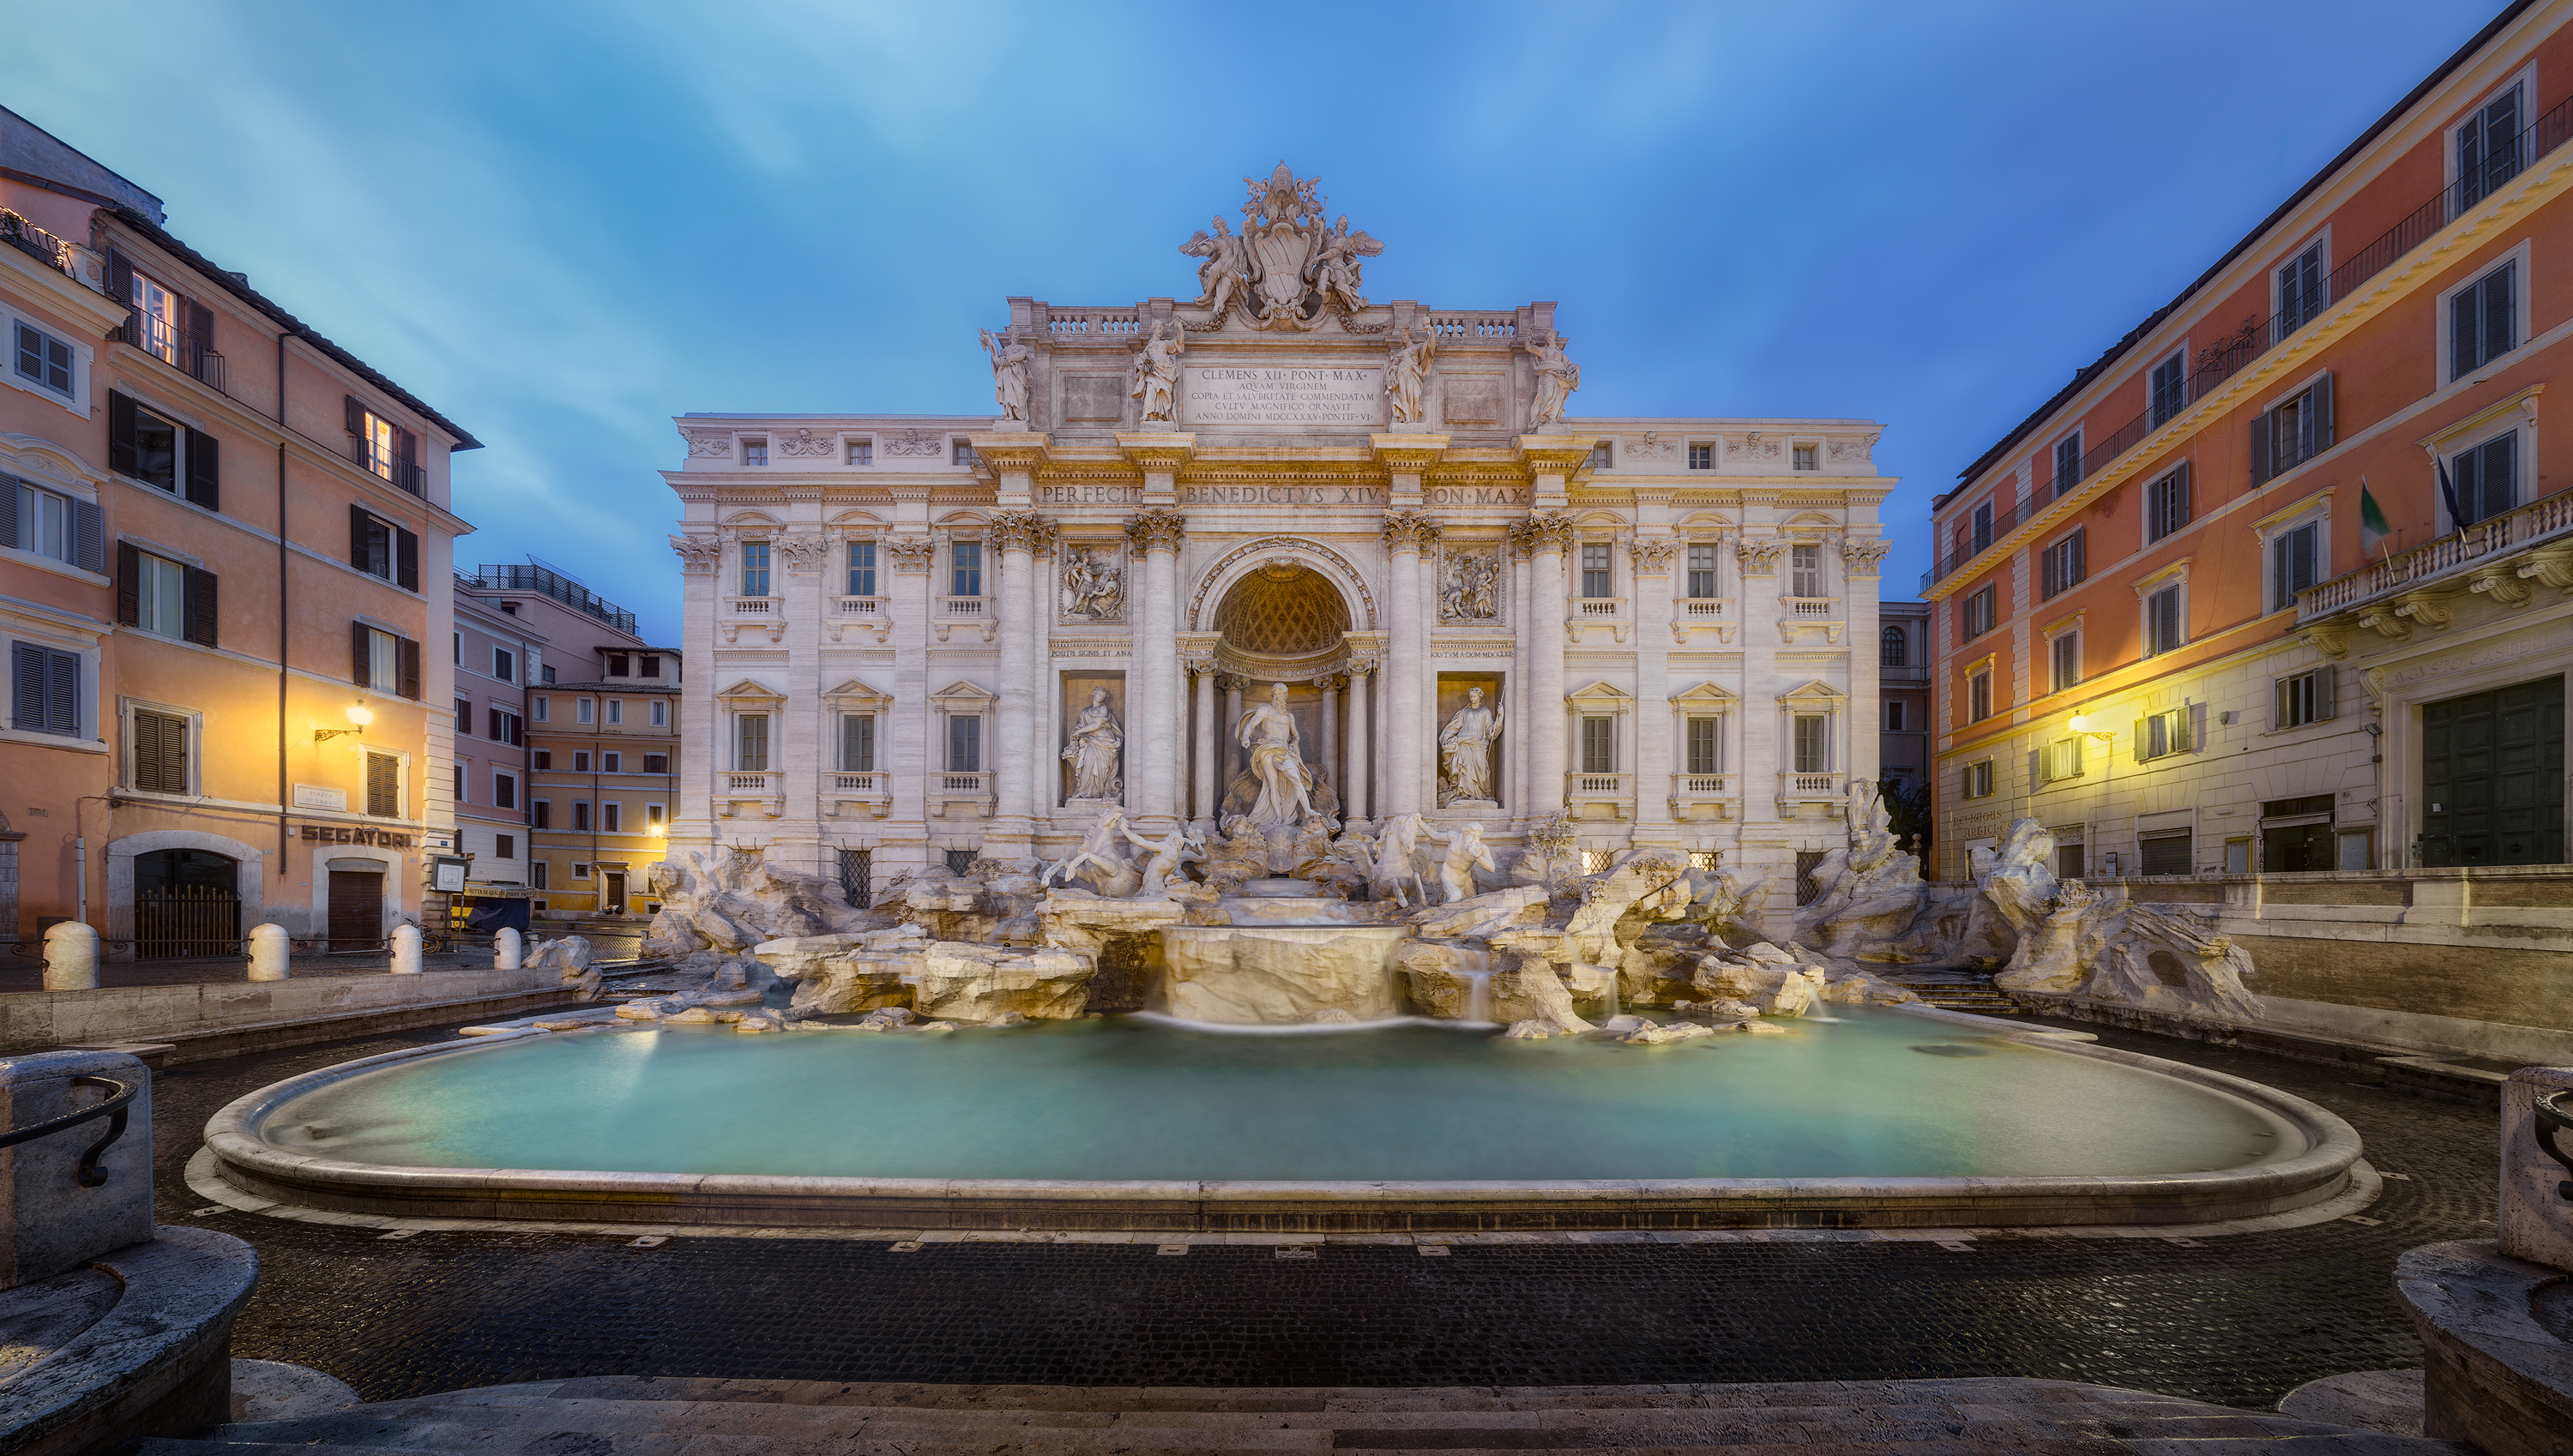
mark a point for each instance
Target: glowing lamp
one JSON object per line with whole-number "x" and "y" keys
{"x": 358, "y": 717}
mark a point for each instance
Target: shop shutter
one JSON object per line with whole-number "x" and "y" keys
{"x": 2164, "y": 853}
{"x": 196, "y": 606}
{"x": 205, "y": 471}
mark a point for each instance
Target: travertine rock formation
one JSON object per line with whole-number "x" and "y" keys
{"x": 838, "y": 975}
{"x": 1261, "y": 973}
{"x": 969, "y": 983}
{"x": 720, "y": 903}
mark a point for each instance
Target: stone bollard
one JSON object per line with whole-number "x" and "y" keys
{"x": 405, "y": 950}
{"x": 505, "y": 948}
{"x": 71, "y": 957}
{"x": 268, "y": 949}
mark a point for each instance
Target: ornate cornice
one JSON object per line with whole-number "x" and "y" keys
{"x": 1408, "y": 530}
{"x": 1157, "y": 451}
{"x": 1012, "y": 452}
{"x": 1550, "y": 532}
{"x": 1156, "y": 528}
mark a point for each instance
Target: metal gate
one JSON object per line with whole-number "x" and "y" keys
{"x": 186, "y": 920}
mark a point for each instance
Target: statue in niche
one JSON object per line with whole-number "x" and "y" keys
{"x": 1406, "y": 375}
{"x": 1467, "y": 852}
{"x": 1157, "y": 377}
{"x": 1096, "y": 738}
{"x": 1465, "y": 752}
{"x": 1094, "y": 585}
{"x": 1557, "y": 377}
{"x": 1101, "y": 860}
{"x": 1278, "y": 765}
{"x": 1471, "y": 592}
{"x": 1009, "y": 374}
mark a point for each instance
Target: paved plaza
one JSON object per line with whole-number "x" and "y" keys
{"x": 2235, "y": 1319}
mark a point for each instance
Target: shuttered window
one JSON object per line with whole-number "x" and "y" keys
{"x": 2061, "y": 759}
{"x": 2068, "y": 465}
{"x": 2064, "y": 565}
{"x": 2167, "y": 506}
{"x": 2163, "y": 733}
{"x": 151, "y": 448}
{"x": 857, "y": 744}
{"x": 2064, "y": 656}
{"x": 160, "y": 752}
{"x": 2304, "y": 698}
{"x": 48, "y": 523}
{"x": 1978, "y": 697}
{"x": 383, "y": 661}
{"x": 2293, "y": 432}
{"x": 2165, "y": 853}
{"x": 1977, "y": 780}
{"x": 2300, "y": 291}
{"x": 2489, "y": 149}
{"x": 383, "y": 785}
{"x": 2164, "y": 627}
{"x": 44, "y": 689}
{"x": 2486, "y": 479}
{"x": 2294, "y": 557}
{"x": 1974, "y": 616}
{"x": 2170, "y": 389}
{"x": 2483, "y": 321}
{"x": 382, "y": 549}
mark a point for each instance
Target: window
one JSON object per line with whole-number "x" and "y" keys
{"x": 2067, "y": 849}
{"x": 1979, "y": 696}
{"x": 504, "y": 846}
{"x": 2165, "y": 852}
{"x": 1603, "y": 456}
{"x": 543, "y": 708}
{"x": 2300, "y": 291}
{"x": 44, "y": 361}
{"x": 2161, "y": 734}
{"x": 1974, "y": 616}
{"x": 964, "y": 560}
{"x": 616, "y": 665}
{"x": 2293, "y": 432}
{"x": 584, "y": 710}
{"x": 611, "y": 817}
{"x": 2061, "y": 759}
{"x": 545, "y": 758}
{"x": 1805, "y": 570}
{"x": 2489, "y": 149}
{"x": 1807, "y": 457}
{"x": 540, "y": 813}
{"x": 754, "y": 451}
{"x": 2061, "y": 565}
{"x": 960, "y": 453}
{"x": 160, "y": 752}
{"x": 383, "y": 448}
{"x": 1701, "y": 571}
{"x": 579, "y": 871}
{"x": 857, "y": 876}
{"x": 1978, "y": 779}
{"x": 755, "y": 569}
{"x": 965, "y": 744}
{"x": 660, "y": 713}
{"x": 2168, "y": 389}
{"x": 1812, "y": 743}
{"x": 385, "y": 662}
{"x": 653, "y": 813}
{"x": 159, "y": 589}
{"x": 1703, "y": 754}
{"x": 160, "y": 317}
{"x": 862, "y": 452}
{"x": 537, "y": 876}
{"x": 1893, "y": 716}
{"x": 382, "y": 549}
{"x": 611, "y": 763}
{"x": 505, "y": 791}
{"x": 1893, "y": 648}
{"x": 580, "y": 761}
{"x": 460, "y": 781}
{"x": 750, "y": 743}
{"x": 862, "y": 568}
{"x": 857, "y": 744}
{"x": 2163, "y": 628}
{"x": 2065, "y": 661}
{"x": 149, "y": 446}
{"x": 1701, "y": 457}
{"x": 2304, "y": 698}
{"x": 2068, "y": 462}
{"x": 2293, "y": 558}
{"x": 506, "y": 727}
{"x": 2483, "y": 321}
{"x": 2486, "y": 479}
{"x": 548, "y": 677}
{"x": 617, "y": 711}
{"x": 1596, "y": 577}
{"x": 1599, "y": 745}
{"x": 504, "y": 664}
{"x": 1983, "y": 519}
{"x": 580, "y": 816}
{"x": 383, "y": 785}
{"x": 2167, "y": 505}
{"x": 465, "y": 717}
{"x": 656, "y": 763}
{"x": 64, "y": 527}
{"x": 649, "y": 665}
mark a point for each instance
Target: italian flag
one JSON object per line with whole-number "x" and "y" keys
{"x": 2372, "y": 530}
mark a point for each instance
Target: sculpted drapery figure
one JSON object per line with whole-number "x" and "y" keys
{"x": 1467, "y": 852}
{"x": 1471, "y": 592}
{"x": 1093, "y": 585}
{"x": 1096, "y": 738}
{"x": 1406, "y": 376}
{"x": 1009, "y": 374}
{"x": 1157, "y": 377}
{"x": 1336, "y": 264}
{"x": 1268, "y": 731}
{"x": 1557, "y": 377}
{"x": 1465, "y": 751}
{"x": 1225, "y": 277}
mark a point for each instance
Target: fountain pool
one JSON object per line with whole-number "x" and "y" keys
{"x": 1880, "y": 1118}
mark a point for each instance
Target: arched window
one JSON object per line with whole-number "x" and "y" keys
{"x": 1894, "y": 648}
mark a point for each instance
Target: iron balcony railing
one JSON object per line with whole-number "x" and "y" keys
{"x": 554, "y": 584}
{"x": 38, "y": 244}
{"x": 2223, "y": 361}
{"x": 177, "y": 345}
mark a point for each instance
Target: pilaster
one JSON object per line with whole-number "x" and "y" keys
{"x": 1407, "y": 534}
{"x": 1653, "y": 728}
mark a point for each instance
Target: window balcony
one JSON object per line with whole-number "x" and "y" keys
{"x": 868, "y": 793}
{"x": 762, "y": 616}
{"x": 1702, "y": 796}
{"x": 872, "y": 613}
{"x": 1809, "y": 611}
{"x": 1795, "y": 789}
{"x": 1598, "y": 796}
{"x": 2470, "y": 560}
{"x": 400, "y": 475}
{"x": 952, "y": 787}
{"x": 1692, "y": 614}
{"x": 1612, "y": 612}
{"x": 764, "y": 792}
{"x": 947, "y": 612}
{"x": 857, "y": 606}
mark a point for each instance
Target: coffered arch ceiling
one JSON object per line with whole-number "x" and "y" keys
{"x": 1283, "y": 609}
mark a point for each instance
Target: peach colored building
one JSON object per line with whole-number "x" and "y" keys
{"x": 222, "y": 535}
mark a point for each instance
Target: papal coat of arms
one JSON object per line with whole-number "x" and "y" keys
{"x": 1288, "y": 268}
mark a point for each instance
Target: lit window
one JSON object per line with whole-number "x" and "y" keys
{"x": 653, "y": 816}
{"x": 158, "y": 321}
{"x": 383, "y": 660}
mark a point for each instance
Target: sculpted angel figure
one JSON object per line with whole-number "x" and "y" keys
{"x": 1336, "y": 265}
{"x": 1160, "y": 867}
{"x": 1009, "y": 374}
{"x": 1467, "y": 852}
{"x": 1406, "y": 376}
{"x": 1226, "y": 273}
{"x": 1557, "y": 377}
{"x": 1465, "y": 750}
{"x": 1096, "y": 737}
{"x": 1268, "y": 731}
{"x": 1157, "y": 377}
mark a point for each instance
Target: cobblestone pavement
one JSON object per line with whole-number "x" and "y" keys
{"x": 2236, "y": 1320}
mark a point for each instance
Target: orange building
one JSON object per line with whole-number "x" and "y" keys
{"x": 224, "y": 541}
{"x": 2211, "y": 608}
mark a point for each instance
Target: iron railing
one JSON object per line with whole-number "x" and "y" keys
{"x": 115, "y": 1107}
{"x": 2221, "y": 360}
{"x": 177, "y": 345}
{"x": 404, "y": 474}
{"x": 561, "y": 588}
{"x": 38, "y": 244}
{"x": 185, "y": 921}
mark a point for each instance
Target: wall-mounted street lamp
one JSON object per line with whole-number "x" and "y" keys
{"x": 357, "y": 714}
{"x": 2082, "y": 725}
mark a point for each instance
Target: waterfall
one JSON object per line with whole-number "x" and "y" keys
{"x": 1611, "y": 1001}
{"x": 1479, "y": 996}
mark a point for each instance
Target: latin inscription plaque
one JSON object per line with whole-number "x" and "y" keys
{"x": 1292, "y": 398}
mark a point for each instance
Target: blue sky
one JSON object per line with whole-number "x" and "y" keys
{"x": 564, "y": 223}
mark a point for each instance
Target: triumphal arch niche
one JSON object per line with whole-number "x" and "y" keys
{"x": 1284, "y": 556}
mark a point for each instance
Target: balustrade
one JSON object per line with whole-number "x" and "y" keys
{"x": 857, "y": 606}
{"x": 2547, "y": 516}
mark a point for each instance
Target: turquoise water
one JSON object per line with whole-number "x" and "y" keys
{"x": 1134, "y": 1097}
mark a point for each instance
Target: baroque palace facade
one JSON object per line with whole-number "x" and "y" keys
{"x": 931, "y": 639}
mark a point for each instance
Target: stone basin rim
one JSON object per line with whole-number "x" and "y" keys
{"x": 247, "y": 1160}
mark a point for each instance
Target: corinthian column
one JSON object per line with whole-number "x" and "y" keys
{"x": 1407, "y": 533}
{"x": 1197, "y": 653}
{"x": 1017, "y": 751}
{"x": 1331, "y": 686}
{"x": 1550, "y": 535}
{"x": 1152, "y": 796}
{"x": 1359, "y": 797}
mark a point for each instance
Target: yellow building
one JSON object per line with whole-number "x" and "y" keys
{"x": 603, "y": 746}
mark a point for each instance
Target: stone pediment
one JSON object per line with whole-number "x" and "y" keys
{"x": 856, "y": 694}
{"x": 1706, "y": 695}
{"x": 1601, "y": 697}
{"x": 748, "y": 692}
{"x": 963, "y": 696}
{"x": 1815, "y": 691}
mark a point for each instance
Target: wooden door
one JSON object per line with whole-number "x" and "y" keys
{"x": 615, "y": 892}
{"x": 2492, "y": 777}
{"x": 357, "y": 911}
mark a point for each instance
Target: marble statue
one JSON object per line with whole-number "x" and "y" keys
{"x": 1096, "y": 738}
{"x": 1397, "y": 847}
{"x": 1406, "y": 375}
{"x": 1336, "y": 265}
{"x": 1278, "y": 765}
{"x": 1465, "y": 752}
{"x": 1472, "y": 589}
{"x": 1225, "y": 277}
{"x": 1009, "y": 374}
{"x": 1557, "y": 377}
{"x": 1157, "y": 377}
{"x": 1161, "y": 865}
{"x": 1467, "y": 852}
{"x": 1094, "y": 585}
{"x": 1101, "y": 860}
